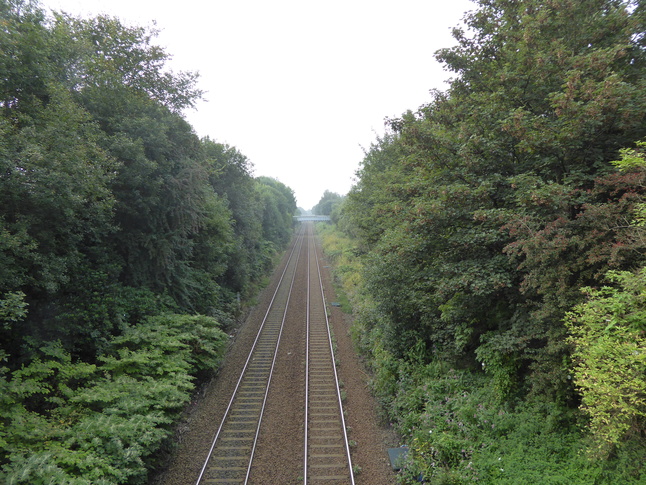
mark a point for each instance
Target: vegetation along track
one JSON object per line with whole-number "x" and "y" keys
{"x": 326, "y": 457}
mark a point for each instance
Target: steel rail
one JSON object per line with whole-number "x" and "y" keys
{"x": 325, "y": 461}
{"x": 248, "y": 378}
{"x": 307, "y": 369}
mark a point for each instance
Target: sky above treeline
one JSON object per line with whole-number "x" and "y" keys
{"x": 300, "y": 87}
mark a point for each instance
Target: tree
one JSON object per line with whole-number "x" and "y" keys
{"x": 474, "y": 208}
{"x": 56, "y": 205}
{"x": 104, "y": 184}
{"x": 279, "y": 210}
{"x": 230, "y": 176}
{"x": 111, "y": 58}
{"x": 608, "y": 335}
{"x": 327, "y": 203}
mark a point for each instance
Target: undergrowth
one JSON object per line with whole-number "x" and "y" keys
{"x": 339, "y": 252}
{"x": 75, "y": 423}
{"x": 454, "y": 422}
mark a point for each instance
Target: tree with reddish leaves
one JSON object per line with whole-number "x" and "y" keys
{"x": 499, "y": 201}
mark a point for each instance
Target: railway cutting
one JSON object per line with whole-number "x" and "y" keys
{"x": 325, "y": 451}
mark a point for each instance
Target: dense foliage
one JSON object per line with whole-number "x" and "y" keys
{"x": 127, "y": 244}
{"x": 479, "y": 219}
{"x": 68, "y": 421}
{"x": 326, "y": 205}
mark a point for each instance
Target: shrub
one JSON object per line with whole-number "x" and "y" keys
{"x": 76, "y": 423}
{"x": 608, "y": 333}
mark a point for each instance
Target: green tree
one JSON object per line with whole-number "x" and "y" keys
{"x": 113, "y": 215}
{"x": 56, "y": 206}
{"x": 105, "y": 192}
{"x": 608, "y": 334}
{"x": 162, "y": 184}
{"x": 230, "y": 176}
{"x": 110, "y": 58}
{"x": 327, "y": 203}
{"x": 544, "y": 97}
{"x": 279, "y": 210}
{"x": 370, "y": 203}
{"x": 482, "y": 215}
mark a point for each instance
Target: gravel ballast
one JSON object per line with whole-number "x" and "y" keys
{"x": 278, "y": 459}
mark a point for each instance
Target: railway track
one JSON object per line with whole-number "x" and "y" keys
{"x": 326, "y": 457}
{"x": 327, "y": 451}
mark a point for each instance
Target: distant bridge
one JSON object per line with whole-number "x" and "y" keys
{"x": 311, "y": 218}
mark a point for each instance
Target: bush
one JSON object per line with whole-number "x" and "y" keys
{"x": 77, "y": 423}
{"x": 610, "y": 360}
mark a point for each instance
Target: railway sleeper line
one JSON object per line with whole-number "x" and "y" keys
{"x": 327, "y": 456}
{"x": 326, "y": 450}
{"x": 231, "y": 453}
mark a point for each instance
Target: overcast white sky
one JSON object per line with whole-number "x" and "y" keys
{"x": 298, "y": 86}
